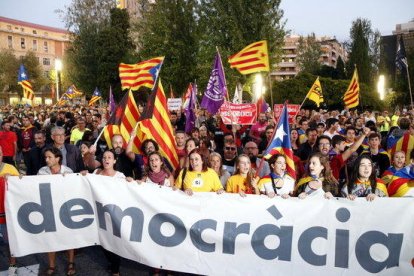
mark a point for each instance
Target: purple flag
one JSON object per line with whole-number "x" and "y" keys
{"x": 190, "y": 116}
{"x": 111, "y": 100}
{"x": 216, "y": 88}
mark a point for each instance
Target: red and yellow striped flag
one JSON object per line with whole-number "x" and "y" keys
{"x": 123, "y": 121}
{"x": 133, "y": 76}
{"x": 405, "y": 144}
{"x": 351, "y": 97}
{"x": 27, "y": 90}
{"x": 253, "y": 58}
{"x": 159, "y": 128}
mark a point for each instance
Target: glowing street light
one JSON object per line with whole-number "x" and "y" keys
{"x": 58, "y": 68}
{"x": 381, "y": 87}
{"x": 259, "y": 88}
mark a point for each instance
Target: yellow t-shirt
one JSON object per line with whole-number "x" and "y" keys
{"x": 8, "y": 169}
{"x": 207, "y": 181}
{"x": 77, "y": 135}
{"x": 236, "y": 184}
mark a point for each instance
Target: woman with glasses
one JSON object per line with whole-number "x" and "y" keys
{"x": 198, "y": 177}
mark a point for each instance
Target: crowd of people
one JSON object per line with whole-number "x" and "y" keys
{"x": 336, "y": 154}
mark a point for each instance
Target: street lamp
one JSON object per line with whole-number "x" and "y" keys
{"x": 58, "y": 68}
{"x": 258, "y": 86}
{"x": 381, "y": 86}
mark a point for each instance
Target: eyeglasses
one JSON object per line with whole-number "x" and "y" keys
{"x": 230, "y": 148}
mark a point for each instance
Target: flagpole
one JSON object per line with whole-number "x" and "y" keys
{"x": 228, "y": 99}
{"x": 270, "y": 90}
{"x": 409, "y": 85}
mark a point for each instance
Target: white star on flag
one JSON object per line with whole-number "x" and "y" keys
{"x": 280, "y": 133}
{"x": 23, "y": 75}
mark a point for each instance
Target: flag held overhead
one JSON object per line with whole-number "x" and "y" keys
{"x": 145, "y": 73}
{"x": 351, "y": 97}
{"x": 216, "y": 88}
{"x": 280, "y": 143}
{"x": 252, "y": 59}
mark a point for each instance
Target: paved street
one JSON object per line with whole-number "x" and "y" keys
{"x": 89, "y": 261}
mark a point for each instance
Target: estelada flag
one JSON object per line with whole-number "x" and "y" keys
{"x": 133, "y": 76}
{"x": 280, "y": 143}
{"x": 252, "y": 59}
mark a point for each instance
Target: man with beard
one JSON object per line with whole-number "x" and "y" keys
{"x": 229, "y": 156}
{"x": 251, "y": 150}
{"x": 35, "y": 156}
{"x": 123, "y": 163}
{"x": 258, "y": 128}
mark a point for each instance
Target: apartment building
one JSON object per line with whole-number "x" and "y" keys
{"x": 288, "y": 67}
{"x": 48, "y": 44}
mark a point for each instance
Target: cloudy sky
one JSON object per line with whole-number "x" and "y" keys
{"x": 331, "y": 18}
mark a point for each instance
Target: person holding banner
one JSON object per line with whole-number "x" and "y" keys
{"x": 244, "y": 180}
{"x": 363, "y": 181}
{"x": 156, "y": 172}
{"x": 198, "y": 177}
{"x": 320, "y": 180}
{"x": 278, "y": 182}
{"x": 54, "y": 165}
{"x": 216, "y": 163}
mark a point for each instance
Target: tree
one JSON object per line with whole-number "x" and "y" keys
{"x": 340, "y": 72}
{"x": 34, "y": 70}
{"x": 86, "y": 19}
{"x": 295, "y": 91}
{"x": 309, "y": 53}
{"x": 113, "y": 45}
{"x": 9, "y": 68}
{"x": 169, "y": 28}
{"x": 231, "y": 25}
{"x": 359, "y": 50}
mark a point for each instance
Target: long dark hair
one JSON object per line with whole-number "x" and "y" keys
{"x": 355, "y": 174}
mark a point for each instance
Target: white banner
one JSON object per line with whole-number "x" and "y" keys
{"x": 208, "y": 233}
{"x": 174, "y": 103}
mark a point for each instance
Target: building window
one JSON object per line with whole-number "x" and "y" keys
{"x": 34, "y": 32}
{"x": 10, "y": 41}
{"x": 22, "y": 43}
{"x": 45, "y": 46}
{"x": 34, "y": 45}
{"x": 22, "y": 30}
{"x": 46, "y": 61}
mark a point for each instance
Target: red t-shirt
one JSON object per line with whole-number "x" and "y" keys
{"x": 7, "y": 140}
{"x": 337, "y": 162}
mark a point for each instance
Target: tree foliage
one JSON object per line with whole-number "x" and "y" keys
{"x": 100, "y": 42}
{"x": 364, "y": 50}
{"x": 169, "y": 28}
{"x": 233, "y": 24}
{"x": 9, "y": 69}
{"x": 309, "y": 53}
{"x": 296, "y": 89}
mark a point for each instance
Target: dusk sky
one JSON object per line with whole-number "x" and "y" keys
{"x": 331, "y": 18}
